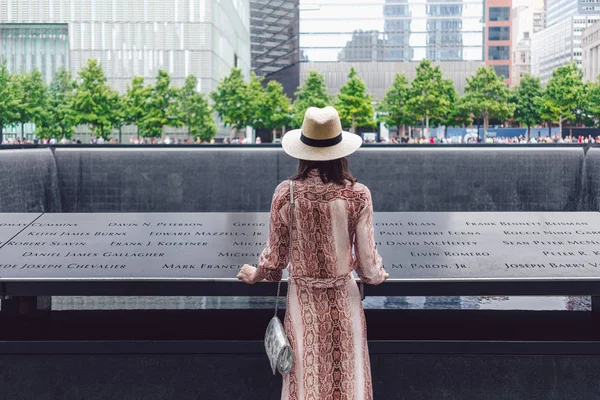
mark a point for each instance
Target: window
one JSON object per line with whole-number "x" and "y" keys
{"x": 499, "y": 53}
{"x": 502, "y": 70}
{"x": 499, "y": 14}
{"x": 499, "y": 33}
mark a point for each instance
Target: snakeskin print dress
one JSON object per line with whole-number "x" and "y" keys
{"x": 324, "y": 317}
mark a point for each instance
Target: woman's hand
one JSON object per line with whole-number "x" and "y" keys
{"x": 248, "y": 274}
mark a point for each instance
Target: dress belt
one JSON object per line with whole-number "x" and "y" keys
{"x": 321, "y": 283}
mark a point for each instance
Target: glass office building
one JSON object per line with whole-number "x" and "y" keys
{"x": 274, "y": 35}
{"x": 559, "y": 10}
{"x": 130, "y": 38}
{"x": 28, "y": 46}
{"x": 392, "y": 30}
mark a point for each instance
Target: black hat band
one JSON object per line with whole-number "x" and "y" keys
{"x": 320, "y": 143}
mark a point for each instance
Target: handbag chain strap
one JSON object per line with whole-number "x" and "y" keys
{"x": 290, "y": 231}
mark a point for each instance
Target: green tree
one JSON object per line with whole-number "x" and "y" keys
{"x": 60, "y": 117}
{"x": 9, "y": 99}
{"x": 486, "y": 97}
{"x": 231, "y": 101}
{"x": 136, "y": 102}
{"x": 161, "y": 108}
{"x": 92, "y": 103}
{"x": 255, "y": 93}
{"x": 195, "y": 112}
{"x": 119, "y": 116}
{"x": 275, "y": 110}
{"x": 593, "y": 101}
{"x": 563, "y": 96}
{"x": 458, "y": 114}
{"x": 392, "y": 107}
{"x": 454, "y": 115}
{"x": 525, "y": 99}
{"x": 428, "y": 94}
{"x": 354, "y": 104}
{"x": 33, "y": 99}
{"x": 312, "y": 94}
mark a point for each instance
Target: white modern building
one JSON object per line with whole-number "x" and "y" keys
{"x": 590, "y": 41}
{"x": 560, "y": 43}
{"x": 130, "y": 38}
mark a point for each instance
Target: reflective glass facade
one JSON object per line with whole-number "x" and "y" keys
{"x": 274, "y": 35}
{"x": 139, "y": 37}
{"x": 392, "y": 30}
{"x": 28, "y": 46}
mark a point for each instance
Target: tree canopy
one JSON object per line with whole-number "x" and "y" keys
{"x": 312, "y": 94}
{"x": 486, "y": 97}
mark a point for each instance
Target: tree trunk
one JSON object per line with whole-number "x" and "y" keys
{"x": 528, "y": 132}
{"x": 427, "y": 125}
{"x": 353, "y": 128}
{"x": 560, "y": 125}
{"x": 120, "y": 134}
{"x": 549, "y": 128}
{"x": 22, "y": 131}
{"x": 274, "y": 138}
{"x": 1, "y": 131}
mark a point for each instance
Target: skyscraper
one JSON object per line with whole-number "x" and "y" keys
{"x": 274, "y": 33}
{"x": 406, "y": 30}
{"x": 559, "y": 10}
{"x": 274, "y": 28}
{"x": 498, "y": 52}
{"x": 560, "y": 43}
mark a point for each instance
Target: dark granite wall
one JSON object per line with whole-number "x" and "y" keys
{"x": 401, "y": 179}
{"x": 592, "y": 179}
{"x": 247, "y": 377}
{"x": 29, "y": 181}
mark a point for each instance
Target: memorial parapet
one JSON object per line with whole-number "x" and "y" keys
{"x": 430, "y": 253}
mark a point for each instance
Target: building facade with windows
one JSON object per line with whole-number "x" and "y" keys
{"x": 527, "y": 21}
{"x": 391, "y": 30}
{"x": 521, "y": 60}
{"x": 383, "y": 37}
{"x": 559, "y": 44}
{"x": 274, "y": 26}
{"x": 498, "y": 37}
{"x": 130, "y": 38}
{"x": 590, "y": 63}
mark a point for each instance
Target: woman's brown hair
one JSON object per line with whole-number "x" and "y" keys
{"x": 335, "y": 171}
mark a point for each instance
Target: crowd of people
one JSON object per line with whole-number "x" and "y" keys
{"x": 522, "y": 139}
{"x": 392, "y": 140}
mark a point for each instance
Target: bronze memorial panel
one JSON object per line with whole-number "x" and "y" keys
{"x": 446, "y": 246}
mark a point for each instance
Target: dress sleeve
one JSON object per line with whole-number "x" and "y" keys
{"x": 274, "y": 258}
{"x": 369, "y": 266}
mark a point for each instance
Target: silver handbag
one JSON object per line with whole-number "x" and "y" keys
{"x": 277, "y": 345}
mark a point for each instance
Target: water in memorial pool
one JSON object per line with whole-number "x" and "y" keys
{"x": 571, "y": 303}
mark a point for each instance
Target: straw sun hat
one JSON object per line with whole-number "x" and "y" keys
{"x": 321, "y": 137}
